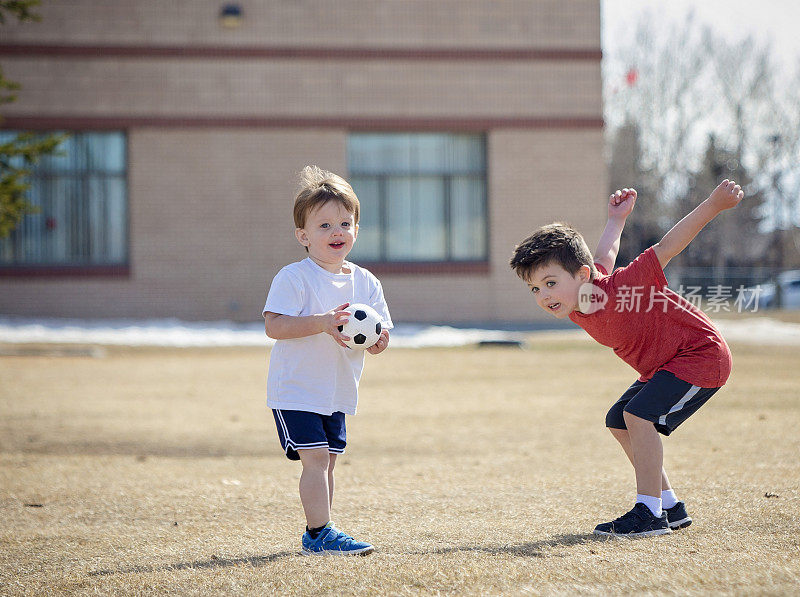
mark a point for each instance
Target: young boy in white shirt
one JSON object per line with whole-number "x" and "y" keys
{"x": 313, "y": 376}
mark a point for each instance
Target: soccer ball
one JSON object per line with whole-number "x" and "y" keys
{"x": 363, "y": 327}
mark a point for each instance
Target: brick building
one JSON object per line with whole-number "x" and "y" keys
{"x": 462, "y": 124}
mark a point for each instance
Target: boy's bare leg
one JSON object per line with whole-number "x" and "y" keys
{"x": 314, "y": 492}
{"x": 648, "y": 454}
{"x": 330, "y": 478}
{"x": 621, "y": 435}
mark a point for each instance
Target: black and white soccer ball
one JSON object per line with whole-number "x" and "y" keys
{"x": 363, "y": 327}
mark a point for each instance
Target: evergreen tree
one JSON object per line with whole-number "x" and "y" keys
{"x": 732, "y": 240}
{"x": 18, "y": 155}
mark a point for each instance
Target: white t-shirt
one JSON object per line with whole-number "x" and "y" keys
{"x": 314, "y": 373}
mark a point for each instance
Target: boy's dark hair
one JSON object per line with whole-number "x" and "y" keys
{"x": 555, "y": 243}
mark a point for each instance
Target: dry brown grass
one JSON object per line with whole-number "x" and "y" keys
{"x": 474, "y": 471}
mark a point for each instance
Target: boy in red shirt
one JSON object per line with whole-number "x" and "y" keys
{"x": 681, "y": 358}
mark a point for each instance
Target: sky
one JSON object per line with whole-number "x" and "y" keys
{"x": 775, "y": 20}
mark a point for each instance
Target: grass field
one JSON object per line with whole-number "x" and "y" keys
{"x": 473, "y": 471}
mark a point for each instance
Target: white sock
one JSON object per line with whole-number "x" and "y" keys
{"x": 651, "y": 502}
{"x": 668, "y": 499}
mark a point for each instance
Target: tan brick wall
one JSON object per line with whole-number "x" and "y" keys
{"x": 211, "y": 221}
{"x": 538, "y": 177}
{"x": 211, "y": 224}
{"x": 300, "y": 88}
{"x": 335, "y": 23}
{"x": 210, "y": 208}
{"x": 535, "y": 178}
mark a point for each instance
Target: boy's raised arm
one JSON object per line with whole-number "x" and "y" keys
{"x": 620, "y": 206}
{"x": 727, "y": 195}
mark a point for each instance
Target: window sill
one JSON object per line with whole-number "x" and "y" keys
{"x": 426, "y": 267}
{"x": 65, "y": 271}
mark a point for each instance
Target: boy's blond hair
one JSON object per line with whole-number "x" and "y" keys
{"x": 555, "y": 243}
{"x": 317, "y": 187}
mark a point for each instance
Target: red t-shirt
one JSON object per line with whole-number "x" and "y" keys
{"x": 651, "y": 328}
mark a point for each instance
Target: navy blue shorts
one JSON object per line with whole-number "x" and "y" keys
{"x": 302, "y": 430}
{"x": 665, "y": 400}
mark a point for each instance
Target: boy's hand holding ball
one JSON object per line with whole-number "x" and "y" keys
{"x": 365, "y": 329}
{"x": 333, "y": 319}
{"x": 381, "y": 345}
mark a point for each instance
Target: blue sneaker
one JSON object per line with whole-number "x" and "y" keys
{"x": 333, "y": 542}
{"x": 678, "y": 517}
{"x": 639, "y": 522}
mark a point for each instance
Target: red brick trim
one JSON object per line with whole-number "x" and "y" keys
{"x": 476, "y": 124}
{"x": 288, "y": 52}
{"x": 65, "y": 271}
{"x": 426, "y": 267}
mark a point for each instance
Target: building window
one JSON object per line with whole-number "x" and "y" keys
{"x": 82, "y": 200}
{"x": 423, "y": 197}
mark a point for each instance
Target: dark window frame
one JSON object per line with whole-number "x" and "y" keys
{"x": 107, "y": 269}
{"x": 448, "y": 264}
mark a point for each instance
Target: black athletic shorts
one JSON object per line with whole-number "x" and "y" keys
{"x": 665, "y": 400}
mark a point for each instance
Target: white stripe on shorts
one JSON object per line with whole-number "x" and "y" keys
{"x": 662, "y": 420}
{"x": 290, "y": 443}
{"x": 283, "y": 424}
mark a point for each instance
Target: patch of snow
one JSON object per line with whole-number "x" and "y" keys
{"x": 173, "y": 332}
{"x": 759, "y": 330}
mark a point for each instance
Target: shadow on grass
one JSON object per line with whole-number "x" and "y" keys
{"x": 531, "y": 549}
{"x": 214, "y": 562}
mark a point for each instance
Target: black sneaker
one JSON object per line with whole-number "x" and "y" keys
{"x": 678, "y": 517}
{"x": 639, "y": 522}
